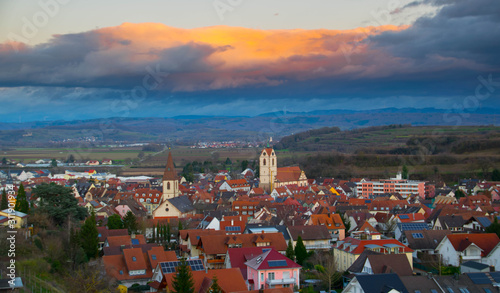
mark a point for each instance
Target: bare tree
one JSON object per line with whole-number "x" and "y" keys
{"x": 326, "y": 268}
{"x": 90, "y": 277}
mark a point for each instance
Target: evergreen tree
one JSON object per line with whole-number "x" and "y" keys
{"x": 289, "y": 250}
{"x": 164, "y": 231}
{"x": 347, "y": 223}
{"x": 22, "y": 204}
{"x": 169, "y": 234}
{"x": 5, "y": 203}
{"x": 153, "y": 238}
{"x": 300, "y": 251}
{"x": 180, "y": 226}
{"x": 115, "y": 222}
{"x": 215, "y": 288}
{"x": 494, "y": 227}
{"x": 130, "y": 222}
{"x": 404, "y": 174}
{"x": 495, "y": 176}
{"x": 53, "y": 163}
{"x": 183, "y": 279}
{"x": 89, "y": 236}
{"x": 59, "y": 202}
{"x": 4, "y": 161}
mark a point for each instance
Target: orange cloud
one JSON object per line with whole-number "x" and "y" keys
{"x": 205, "y": 58}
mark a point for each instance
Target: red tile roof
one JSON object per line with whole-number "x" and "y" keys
{"x": 230, "y": 280}
{"x": 485, "y": 241}
{"x": 260, "y": 262}
{"x": 134, "y": 259}
{"x": 218, "y": 244}
{"x": 238, "y": 257}
{"x": 361, "y": 244}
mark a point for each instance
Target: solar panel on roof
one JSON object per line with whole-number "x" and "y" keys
{"x": 495, "y": 276}
{"x": 168, "y": 267}
{"x": 479, "y": 278}
{"x": 233, "y": 228}
{"x": 404, "y": 217}
{"x": 417, "y": 235}
{"x": 135, "y": 241}
{"x": 276, "y": 263}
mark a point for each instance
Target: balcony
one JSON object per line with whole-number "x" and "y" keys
{"x": 280, "y": 281}
{"x": 215, "y": 261}
{"x": 318, "y": 246}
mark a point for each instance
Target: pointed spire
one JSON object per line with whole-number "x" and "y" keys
{"x": 170, "y": 173}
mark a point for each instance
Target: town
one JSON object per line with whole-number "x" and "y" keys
{"x": 268, "y": 229}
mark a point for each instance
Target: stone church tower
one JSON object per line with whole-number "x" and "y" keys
{"x": 170, "y": 180}
{"x": 268, "y": 168}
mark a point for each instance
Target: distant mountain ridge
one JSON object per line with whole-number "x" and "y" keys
{"x": 192, "y": 128}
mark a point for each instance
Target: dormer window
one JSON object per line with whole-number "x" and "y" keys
{"x": 153, "y": 257}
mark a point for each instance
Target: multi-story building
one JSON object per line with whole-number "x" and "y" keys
{"x": 404, "y": 187}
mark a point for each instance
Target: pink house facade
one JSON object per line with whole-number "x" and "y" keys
{"x": 271, "y": 269}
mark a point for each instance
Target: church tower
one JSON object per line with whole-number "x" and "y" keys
{"x": 170, "y": 180}
{"x": 268, "y": 168}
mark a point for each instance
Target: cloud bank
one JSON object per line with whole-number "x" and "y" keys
{"x": 438, "y": 56}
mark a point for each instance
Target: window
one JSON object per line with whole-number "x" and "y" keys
{"x": 168, "y": 185}
{"x": 153, "y": 257}
{"x": 270, "y": 276}
{"x": 236, "y": 207}
{"x": 272, "y": 164}
{"x": 262, "y": 277}
{"x": 264, "y": 162}
{"x": 133, "y": 258}
{"x": 286, "y": 275}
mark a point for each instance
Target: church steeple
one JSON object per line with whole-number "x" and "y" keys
{"x": 170, "y": 180}
{"x": 170, "y": 173}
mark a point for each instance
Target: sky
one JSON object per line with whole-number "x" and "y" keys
{"x": 73, "y": 60}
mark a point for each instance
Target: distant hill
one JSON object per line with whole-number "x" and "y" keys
{"x": 395, "y": 139}
{"x": 188, "y": 129}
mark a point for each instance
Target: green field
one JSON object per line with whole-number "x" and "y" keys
{"x": 30, "y": 155}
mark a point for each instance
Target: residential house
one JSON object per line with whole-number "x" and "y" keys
{"x": 390, "y": 283}
{"x": 370, "y": 262}
{"x": 272, "y": 269}
{"x": 464, "y": 283}
{"x": 229, "y": 280}
{"x": 454, "y": 223}
{"x": 482, "y": 247}
{"x": 244, "y": 207}
{"x": 133, "y": 266}
{"x": 313, "y": 237}
{"x": 399, "y": 232}
{"x": 104, "y": 233}
{"x": 348, "y": 250}
{"x": 424, "y": 241}
{"x": 149, "y": 198}
{"x": 14, "y": 219}
{"x": 236, "y": 258}
{"x": 235, "y": 185}
{"x": 214, "y": 247}
{"x": 333, "y": 222}
{"x": 189, "y": 240}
